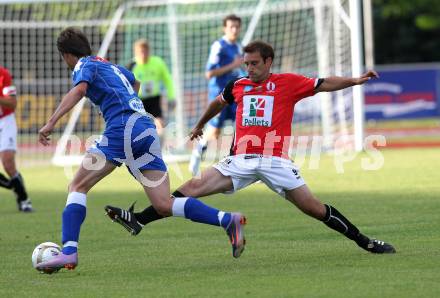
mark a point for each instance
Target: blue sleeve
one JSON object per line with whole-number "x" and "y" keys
{"x": 84, "y": 72}
{"x": 128, "y": 74}
{"x": 214, "y": 56}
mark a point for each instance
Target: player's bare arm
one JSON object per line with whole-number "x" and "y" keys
{"x": 67, "y": 103}
{"x": 225, "y": 69}
{"x": 8, "y": 101}
{"x": 213, "y": 109}
{"x": 338, "y": 83}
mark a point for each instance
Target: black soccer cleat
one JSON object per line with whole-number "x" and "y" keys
{"x": 125, "y": 218}
{"x": 379, "y": 247}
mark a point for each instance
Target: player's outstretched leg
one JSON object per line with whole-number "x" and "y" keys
{"x": 330, "y": 216}
{"x": 132, "y": 221}
{"x": 189, "y": 208}
{"x": 197, "y": 211}
{"x": 335, "y": 220}
{"x": 73, "y": 216}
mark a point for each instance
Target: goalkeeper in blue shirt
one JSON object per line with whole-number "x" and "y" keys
{"x": 129, "y": 137}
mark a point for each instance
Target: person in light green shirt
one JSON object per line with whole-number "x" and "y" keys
{"x": 153, "y": 74}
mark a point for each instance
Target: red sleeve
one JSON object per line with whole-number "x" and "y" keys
{"x": 7, "y": 88}
{"x": 302, "y": 86}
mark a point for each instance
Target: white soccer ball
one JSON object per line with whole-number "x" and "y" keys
{"x": 44, "y": 252}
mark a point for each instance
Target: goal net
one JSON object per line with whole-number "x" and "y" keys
{"x": 316, "y": 38}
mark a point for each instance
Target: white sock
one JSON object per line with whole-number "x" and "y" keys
{"x": 71, "y": 243}
{"x": 220, "y": 216}
{"x": 179, "y": 207}
{"x": 77, "y": 198}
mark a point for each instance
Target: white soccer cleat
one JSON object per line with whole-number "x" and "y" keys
{"x": 25, "y": 206}
{"x": 194, "y": 163}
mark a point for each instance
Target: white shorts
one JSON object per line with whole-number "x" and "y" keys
{"x": 8, "y": 133}
{"x": 277, "y": 173}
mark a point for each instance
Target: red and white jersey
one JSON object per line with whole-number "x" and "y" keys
{"x": 265, "y": 112}
{"x": 6, "y": 89}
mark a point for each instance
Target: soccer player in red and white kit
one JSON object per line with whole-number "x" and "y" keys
{"x": 265, "y": 103}
{"x": 8, "y": 142}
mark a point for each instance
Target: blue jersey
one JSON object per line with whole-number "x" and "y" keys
{"x": 110, "y": 88}
{"x": 223, "y": 53}
{"x": 126, "y": 139}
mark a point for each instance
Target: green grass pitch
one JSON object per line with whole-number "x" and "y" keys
{"x": 287, "y": 255}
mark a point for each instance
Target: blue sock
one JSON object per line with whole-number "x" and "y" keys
{"x": 225, "y": 219}
{"x": 197, "y": 211}
{"x": 73, "y": 216}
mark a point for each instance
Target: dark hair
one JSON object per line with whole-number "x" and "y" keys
{"x": 261, "y": 47}
{"x": 72, "y": 41}
{"x": 231, "y": 17}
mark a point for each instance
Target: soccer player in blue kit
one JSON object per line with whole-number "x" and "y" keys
{"x": 225, "y": 59}
{"x": 130, "y": 137}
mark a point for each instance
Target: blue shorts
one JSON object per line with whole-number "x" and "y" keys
{"x": 136, "y": 145}
{"x": 228, "y": 112}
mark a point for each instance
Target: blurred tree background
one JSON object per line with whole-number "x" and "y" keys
{"x": 406, "y": 31}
